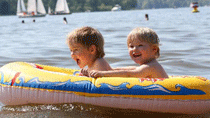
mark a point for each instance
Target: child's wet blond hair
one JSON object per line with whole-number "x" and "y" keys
{"x": 144, "y": 34}
{"x": 88, "y": 36}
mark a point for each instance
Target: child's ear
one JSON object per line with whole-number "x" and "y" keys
{"x": 92, "y": 49}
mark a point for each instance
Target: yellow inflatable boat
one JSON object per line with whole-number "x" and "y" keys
{"x": 29, "y": 83}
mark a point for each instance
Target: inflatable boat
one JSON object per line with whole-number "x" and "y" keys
{"x": 30, "y": 83}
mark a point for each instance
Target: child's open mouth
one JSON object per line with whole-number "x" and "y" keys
{"x": 78, "y": 61}
{"x": 136, "y": 55}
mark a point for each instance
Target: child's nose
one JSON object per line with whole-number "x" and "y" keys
{"x": 134, "y": 48}
{"x": 72, "y": 56}
{"x": 72, "y": 53}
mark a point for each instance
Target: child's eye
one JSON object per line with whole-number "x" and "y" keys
{"x": 75, "y": 49}
{"x": 131, "y": 46}
{"x": 140, "y": 45}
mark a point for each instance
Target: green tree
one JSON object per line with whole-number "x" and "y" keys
{"x": 4, "y": 8}
{"x": 94, "y": 4}
{"x": 82, "y": 4}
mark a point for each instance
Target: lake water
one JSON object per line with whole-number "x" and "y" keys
{"x": 184, "y": 39}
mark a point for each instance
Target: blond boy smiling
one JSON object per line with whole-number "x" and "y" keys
{"x": 143, "y": 47}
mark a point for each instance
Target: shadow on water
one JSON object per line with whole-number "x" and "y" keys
{"x": 84, "y": 111}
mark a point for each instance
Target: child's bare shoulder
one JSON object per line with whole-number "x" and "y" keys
{"x": 155, "y": 70}
{"x": 101, "y": 65}
{"x": 144, "y": 68}
{"x": 151, "y": 69}
{"x": 150, "y": 65}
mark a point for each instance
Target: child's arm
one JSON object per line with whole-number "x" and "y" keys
{"x": 143, "y": 71}
{"x": 125, "y": 68}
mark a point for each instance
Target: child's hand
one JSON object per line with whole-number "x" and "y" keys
{"x": 94, "y": 74}
{"x": 84, "y": 72}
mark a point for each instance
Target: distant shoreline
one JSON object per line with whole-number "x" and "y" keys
{"x": 122, "y": 10}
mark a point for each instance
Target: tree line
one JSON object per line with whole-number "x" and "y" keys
{"x": 9, "y": 7}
